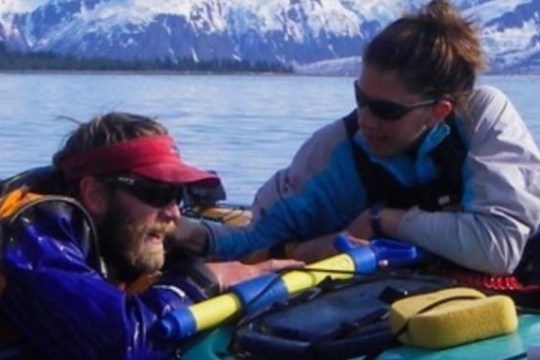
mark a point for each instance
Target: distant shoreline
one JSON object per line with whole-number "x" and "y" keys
{"x": 137, "y": 72}
{"x": 208, "y": 73}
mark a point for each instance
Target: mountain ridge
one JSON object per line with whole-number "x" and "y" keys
{"x": 306, "y": 34}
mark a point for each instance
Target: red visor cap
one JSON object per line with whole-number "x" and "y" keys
{"x": 153, "y": 157}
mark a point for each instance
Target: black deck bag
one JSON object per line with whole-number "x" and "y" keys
{"x": 335, "y": 320}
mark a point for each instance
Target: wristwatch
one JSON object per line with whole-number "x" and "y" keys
{"x": 375, "y": 219}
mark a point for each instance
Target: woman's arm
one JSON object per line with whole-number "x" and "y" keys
{"x": 501, "y": 201}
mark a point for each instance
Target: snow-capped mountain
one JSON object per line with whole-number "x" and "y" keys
{"x": 293, "y": 32}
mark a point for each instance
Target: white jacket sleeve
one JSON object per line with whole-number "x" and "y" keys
{"x": 501, "y": 202}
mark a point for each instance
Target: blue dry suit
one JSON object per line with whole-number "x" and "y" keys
{"x": 55, "y": 293}
{"x": 324, "y": 189}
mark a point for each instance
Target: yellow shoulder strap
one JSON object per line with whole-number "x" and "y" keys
{"x": 9, "y": 204}
{"x": 15, "y": 200}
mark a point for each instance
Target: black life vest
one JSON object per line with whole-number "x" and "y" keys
{"x": 382, "y": 187}
{"x": 445, "y": 189}
{"x": 40, "y": 180}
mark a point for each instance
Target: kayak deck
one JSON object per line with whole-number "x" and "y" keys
{"x": 501, "y": 347}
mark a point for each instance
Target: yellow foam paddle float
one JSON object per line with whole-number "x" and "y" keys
{"x": 452, "y": 317}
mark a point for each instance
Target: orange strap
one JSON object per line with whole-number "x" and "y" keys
{"x": 9, "y": 204}
{"x": 16, "y": 199}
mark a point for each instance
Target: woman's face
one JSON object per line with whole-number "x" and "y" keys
{"x": 389, "y": 128}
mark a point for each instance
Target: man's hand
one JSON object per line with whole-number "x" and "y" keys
{"x": 232, "y": 272}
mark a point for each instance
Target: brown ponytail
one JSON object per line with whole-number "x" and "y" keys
{"x": 435, "y": 52}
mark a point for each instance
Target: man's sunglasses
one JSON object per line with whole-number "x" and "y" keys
{"x": 386, "y": 110}
{"x": 153, "y": 193}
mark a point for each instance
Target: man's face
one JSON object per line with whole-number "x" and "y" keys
{"x": 131, "y": 234}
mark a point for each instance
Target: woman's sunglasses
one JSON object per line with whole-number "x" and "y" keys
{"x": 386, "y": 110}
{"x": 153, "y": 193}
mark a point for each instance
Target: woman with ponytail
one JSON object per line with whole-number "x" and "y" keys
{"x": 427, "y": 157}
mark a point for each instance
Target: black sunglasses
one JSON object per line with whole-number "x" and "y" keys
{"x": 386, "y": 110}
{"x": 153, "y": 193}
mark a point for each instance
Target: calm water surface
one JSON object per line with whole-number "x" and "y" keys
{"x": 244, "y": 127}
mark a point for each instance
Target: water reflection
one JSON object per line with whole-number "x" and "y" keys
{"x": 245, "y": 127}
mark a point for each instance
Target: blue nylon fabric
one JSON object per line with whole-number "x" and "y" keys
{"x": 66, "y": 309}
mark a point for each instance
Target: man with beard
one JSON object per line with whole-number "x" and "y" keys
{"x": 83, "y": 244}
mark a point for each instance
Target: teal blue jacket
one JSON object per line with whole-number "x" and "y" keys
{"x": 321, "y": 191}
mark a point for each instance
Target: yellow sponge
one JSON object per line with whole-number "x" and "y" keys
{"x": 451, "y": 317}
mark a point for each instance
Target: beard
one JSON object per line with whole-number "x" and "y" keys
{"x": 125, "y": 245}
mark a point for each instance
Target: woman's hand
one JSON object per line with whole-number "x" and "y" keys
{"x": 233, "y": 272}
{"x": 362, "y": 226}
{"x": 322, "y": 247}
